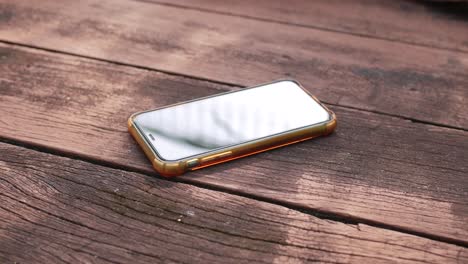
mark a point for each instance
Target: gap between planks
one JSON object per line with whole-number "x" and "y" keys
{"x": 158, "y": 214}
{"x": 90, "y": 157}
{"x": 326, "y": 215}
{"x": 234, "y": 85}
{"x": 370, "y": 74}
{"x": 355, "y": 34}
{"x": 149, "y": 171}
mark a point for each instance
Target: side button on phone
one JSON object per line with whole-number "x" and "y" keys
{"x": 192, "y": 163}
{"x": 216, "y": 156}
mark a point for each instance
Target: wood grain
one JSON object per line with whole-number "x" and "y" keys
{"x": 59, "y": 210}
{"x": 375, "y": 169}
{"x": 384, "y": 76}
{"x": 441, "y": 25}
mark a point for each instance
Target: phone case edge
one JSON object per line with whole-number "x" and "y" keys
{"x": 175, "y": 168}
{"x": 170, "y": 169}
{"x": 165, "y": 168}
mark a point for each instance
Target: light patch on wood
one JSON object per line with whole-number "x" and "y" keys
{"x": 4, "y": 166}
{"x": 383, "y": 203}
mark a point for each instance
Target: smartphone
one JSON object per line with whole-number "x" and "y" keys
{"x": 215, "y": 129}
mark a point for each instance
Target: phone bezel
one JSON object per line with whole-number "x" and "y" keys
{"x": 220, "y": 149}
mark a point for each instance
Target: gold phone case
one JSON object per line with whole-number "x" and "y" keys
{"x": 174, "y": 168}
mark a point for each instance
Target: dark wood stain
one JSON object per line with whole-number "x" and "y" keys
{"x": 6, "y": 13}
{"x": 456, "y": 10}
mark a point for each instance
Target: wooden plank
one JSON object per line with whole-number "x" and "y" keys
{"x": 58, "y": 210}
{"x": 415, "y": 82}
{"x": 440, "y": 25}
{"x": 376, "y": 168}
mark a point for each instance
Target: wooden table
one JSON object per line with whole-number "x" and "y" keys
{"x": 391, "y": 185}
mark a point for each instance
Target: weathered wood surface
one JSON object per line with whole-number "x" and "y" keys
{"x": 60, "y": 210}
{"x": 376, "y": 168}
{"x": 384, "y": 76}
{"x": 378, "y": 173}
{"x": 428, "y": 23}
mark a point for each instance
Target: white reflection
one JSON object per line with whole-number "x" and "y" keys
{"x": 197, "y": 127}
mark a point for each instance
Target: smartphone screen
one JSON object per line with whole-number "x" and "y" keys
{"x": 193, "y": 128}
